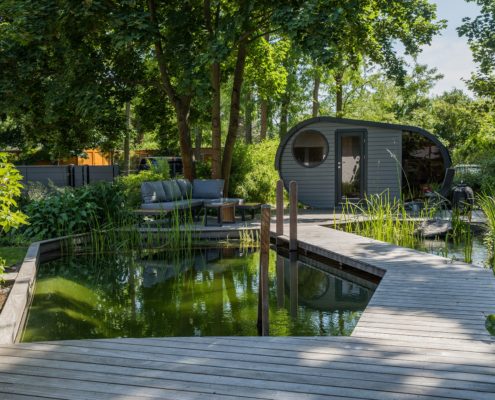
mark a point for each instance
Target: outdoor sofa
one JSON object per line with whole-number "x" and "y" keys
{"x": 181, "y": 194}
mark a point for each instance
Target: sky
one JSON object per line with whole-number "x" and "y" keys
{"x": 448, "y": 52}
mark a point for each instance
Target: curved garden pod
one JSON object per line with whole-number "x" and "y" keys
{"x": 335, "y": 159}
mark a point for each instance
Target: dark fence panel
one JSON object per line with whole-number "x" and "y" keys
{"x": 58, "y": 175}
{"x": 102, "y": 174}
{"x": 67, "y": 175}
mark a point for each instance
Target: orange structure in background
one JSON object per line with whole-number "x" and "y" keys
{"x": 94, "y": 157}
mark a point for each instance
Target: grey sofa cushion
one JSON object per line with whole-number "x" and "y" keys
{"x": 207, "y": 188}
{"x": 176, "y": 192}
{"x": 152, "y": 192}
{"x": 172, "y": 190}
{"x": 185, "y": 188}
{"x": 171, "y": 205}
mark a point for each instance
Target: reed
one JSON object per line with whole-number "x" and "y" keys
{"x": 248, "y": 239}
{"x": 461, "y": 234}
{"x": 383, "y": 218}
{"x": 126, "y": 234}
{"x": 386, "y": 219}
{"x": 487, "y": 205}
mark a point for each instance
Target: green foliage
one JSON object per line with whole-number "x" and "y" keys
{"x": 382, "y": 218}
{"x": 455, "y": 118}
{"x": 482, "y": 181}
{"x": 12, "y": 255}
{"x": 254, "y": 177}
{"x": 487, "y": 204}
{"x": 61, "y": 214}
{"x": 71, "y": 211}
{"x": 490, "y": 324}
{"x": 480, "y": 33}
{"x": 10, "y": 189}
{"x": 64, "y": 78}
{"x": 130, "y": 185}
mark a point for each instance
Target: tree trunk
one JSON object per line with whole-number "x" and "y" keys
{"x": 216, "y": 127}
{"x": 264, "y": 107}
{"x": 284, "y": 114}
{"x": 339, "y": 93}
{"x": 263, "y": 119}
{"x": 182, "y": 104}
{"x": 185, "y": 140}
{"x": 127, "y": 139}
{"x": 316, "y": 95}
{"x": 198, "y": 139}
{"x": 228, "y": 151}
{"x": 248, "y": 116}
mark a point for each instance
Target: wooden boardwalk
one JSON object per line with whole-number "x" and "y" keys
{"x": 421, "y": 337}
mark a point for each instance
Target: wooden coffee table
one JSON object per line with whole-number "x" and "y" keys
{"x": 225, "y": 212}
{"x": 252, "y": 208}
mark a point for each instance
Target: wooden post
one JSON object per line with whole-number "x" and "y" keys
{"x": 280, "y": 207}
{"x": 263, "y": 322}
{"x": 293, "y": 216}
{"x": 280, "y": 282}
{"x": 294, "y": 285}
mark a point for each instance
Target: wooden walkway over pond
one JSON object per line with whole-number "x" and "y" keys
{"x": 421, "y": 337}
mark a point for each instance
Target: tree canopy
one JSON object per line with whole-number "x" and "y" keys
{"x": 75, "y": 75}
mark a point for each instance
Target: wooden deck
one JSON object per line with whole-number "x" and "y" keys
{"x": 421, "y": 337}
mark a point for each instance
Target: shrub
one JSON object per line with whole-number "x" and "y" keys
{"x": 10, "y": 190}
{"x": 130, "y": 185}
{"x": 64, "y": 213}
{"x": 472, "y": 179}
{"x": 488, "y": 176}
{"x": 482, "y": 181}
{"x": 253, "y": 175}
{"x": 70, "y": 211}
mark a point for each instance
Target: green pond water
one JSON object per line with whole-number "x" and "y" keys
{"x": 201, "y": 293}
{"x": 474, "y": 252}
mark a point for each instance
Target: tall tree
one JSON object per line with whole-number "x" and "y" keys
{"x": 177, "y": 45}
{"x": 212, "y": 20}
{"x": 480, "y": 33}
{"x": 63, "y": 80}
{"x": 315, "y": 98}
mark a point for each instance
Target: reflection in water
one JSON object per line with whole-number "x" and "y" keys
{"x": 202, "y": 293}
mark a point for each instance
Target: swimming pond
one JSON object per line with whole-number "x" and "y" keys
{"x": 204, "y": 292}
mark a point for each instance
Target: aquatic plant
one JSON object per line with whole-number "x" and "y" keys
{"x": 384, "y": 218}
{"x": 387, "y": 219}
{"x": 487, "y": 205}
{"x": 461, "y": 233}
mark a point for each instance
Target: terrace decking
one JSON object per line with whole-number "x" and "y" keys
{"x": 421, "y": 336}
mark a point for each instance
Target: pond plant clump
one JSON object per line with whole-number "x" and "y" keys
{"x": 383, "y": 218}
{"x": 390, "y": 220}
{"x": 487, "y": 204}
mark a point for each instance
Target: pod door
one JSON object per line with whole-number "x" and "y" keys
{"x": 350, "y": 165}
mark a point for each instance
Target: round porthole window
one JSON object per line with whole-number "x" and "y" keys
{"x": 310, "y": 148}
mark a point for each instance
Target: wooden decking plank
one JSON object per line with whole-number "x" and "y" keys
{"x": 19, "y": 396}
{"x": 478, "y": 350}
{"x": 420, "y": 332}
{"x": 374, "y": 372}
{"x": 360, "y": 359}
{"x": 246, "y": 382}
{"x": 318, "y": 350}
{"x": 66, "y": 393}
{"x": 96, "y": 390}
{"x": 360, "y": 356}
{"x": 109, "y": 384}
